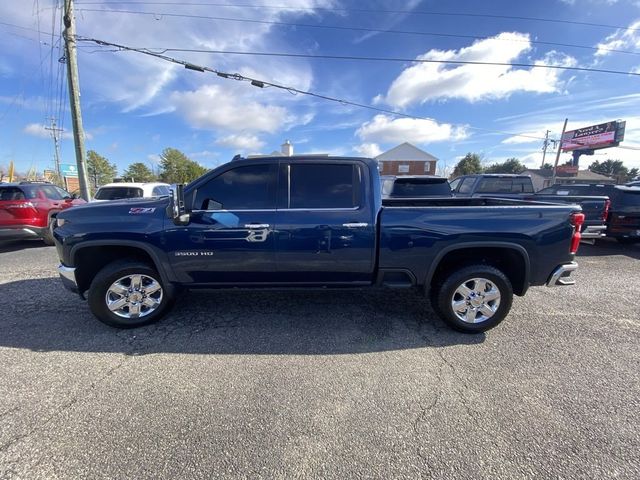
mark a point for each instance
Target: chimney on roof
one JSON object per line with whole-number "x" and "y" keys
{"x": 286, "y": 148}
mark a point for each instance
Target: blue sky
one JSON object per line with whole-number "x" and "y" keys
{"x": 134, "y": 106}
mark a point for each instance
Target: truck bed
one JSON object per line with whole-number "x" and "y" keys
{"x": 459, "y": 202}
{"x": 426, "y": 229}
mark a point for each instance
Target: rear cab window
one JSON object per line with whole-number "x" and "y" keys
{"x": 420, "y": 187}
{"x": 495, "y": 185}
{"x": 118, "y": 193}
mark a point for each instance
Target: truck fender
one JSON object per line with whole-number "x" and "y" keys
{"x": 161, "y": 263}
{"x": 467, "y": 245}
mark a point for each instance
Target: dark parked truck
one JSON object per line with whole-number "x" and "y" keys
{"x": 296, "y": 222}
{"x": 594, "y": 207}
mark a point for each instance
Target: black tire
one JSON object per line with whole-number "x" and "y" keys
{"x": 47, "y": 236}
{"x": 627, "y": 240}
{"x": 105, "y": 278}
{"x": 444, "y": 293}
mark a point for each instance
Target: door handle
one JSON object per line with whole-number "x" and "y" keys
{"x": 256, "y": 225}
{"x": 355, "y": 225}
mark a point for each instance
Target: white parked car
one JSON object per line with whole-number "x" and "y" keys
{"x": 118, "y": 191}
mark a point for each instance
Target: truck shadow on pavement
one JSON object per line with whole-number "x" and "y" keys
{"x": 41, "y": 316}
{"x": 608, "y": 247}
{"x": 7, "y": 246}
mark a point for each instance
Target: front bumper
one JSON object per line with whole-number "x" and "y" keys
{"x": 68, "y": 277}
{"x": 561, "y": 276}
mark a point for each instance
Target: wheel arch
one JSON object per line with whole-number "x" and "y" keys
{"x": 511, "y": 258}
{"x": 90, "y": 257}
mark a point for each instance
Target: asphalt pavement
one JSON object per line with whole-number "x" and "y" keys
{"x": 321, "y": 384}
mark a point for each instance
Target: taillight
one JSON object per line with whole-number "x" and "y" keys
{"x": 607, "y": 207}
{"x": 577, "y": 220}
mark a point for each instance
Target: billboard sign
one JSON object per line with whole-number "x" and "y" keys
{"x": 68, "y": 170}
{"x": 604, "y": 135}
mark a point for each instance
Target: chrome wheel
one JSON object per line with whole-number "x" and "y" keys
{"x": 476, "y": 300}
{"x": 134, "y": 296}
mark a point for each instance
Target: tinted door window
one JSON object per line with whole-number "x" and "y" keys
{"x": 522, "y": 185}
{"x": 160, "y": 190}
{"x": 495, "y": 185}
{"x": 323, "y": 186}
{"x": 467, "y": 185}
{"x": 243, "y": 188}
{"x": 53, "y": 193}
{"x": 454, "y": 184}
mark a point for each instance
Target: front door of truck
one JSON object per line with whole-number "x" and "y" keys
{"x": 326, "y": 227}
{"x": 230, "y": 235}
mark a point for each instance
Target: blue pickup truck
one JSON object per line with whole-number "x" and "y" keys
{"x": 296, "y": 222}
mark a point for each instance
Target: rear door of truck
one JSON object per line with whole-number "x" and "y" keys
{"x": 326, "y": 222}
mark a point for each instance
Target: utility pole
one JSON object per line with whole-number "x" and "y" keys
{"x": 555, "y": 166}
{"x": 56, "y": 142}
{"x": 74, "y": 96}
{"x": 545, "y": 144}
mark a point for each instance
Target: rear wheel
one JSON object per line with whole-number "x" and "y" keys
{"x": 473, "y": 299}
{"x": 128, "y": 294}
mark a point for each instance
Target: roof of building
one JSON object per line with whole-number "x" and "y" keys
{"x": 406, "y": 152}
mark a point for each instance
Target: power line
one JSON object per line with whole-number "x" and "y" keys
{"x": 364, "y": 10}
{"x": 159, "y": 15}
{"x": 361, "y": 58}
{"x": 21, "y": 27}
{"x": 263, "y": 83}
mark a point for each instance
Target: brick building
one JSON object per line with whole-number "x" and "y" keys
{"x": 406, "y": 159}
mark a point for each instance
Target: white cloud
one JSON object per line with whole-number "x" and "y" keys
{"x": 139, "y": 83}
{"x": 212, "y": 107}
{"x": 622, "y": 39}
{"x": 37, "y": 130}
{"x": 241, "y": 142}
{"x": 422, "y": 82}
{"x": 370, "y": 150}
{"x": 385, "y": 129}
{"x": 41, "y": 131}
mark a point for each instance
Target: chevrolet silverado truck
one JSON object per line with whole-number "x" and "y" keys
{"x": 309, "y": 222}
{"x": 594, "y": 207}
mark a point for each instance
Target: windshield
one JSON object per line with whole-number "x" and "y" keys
{"x": 117, "y": 193}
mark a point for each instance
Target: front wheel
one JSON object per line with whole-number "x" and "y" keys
{"x": 473, "y": 299}
{"x": 47, "y": 236}
{"x": 128, "y": 294}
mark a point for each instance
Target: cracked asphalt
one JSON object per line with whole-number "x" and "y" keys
{"x": 321, "y": 384}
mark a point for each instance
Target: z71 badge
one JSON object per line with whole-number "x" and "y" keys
{"x": 141, "y": 211}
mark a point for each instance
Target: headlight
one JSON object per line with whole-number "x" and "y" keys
{"x": 60, "y": 222}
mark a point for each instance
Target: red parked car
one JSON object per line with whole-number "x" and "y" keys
{"x": 28, "y": 209}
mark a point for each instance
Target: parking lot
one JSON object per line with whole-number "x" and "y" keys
{"x": 321, "y": 384}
